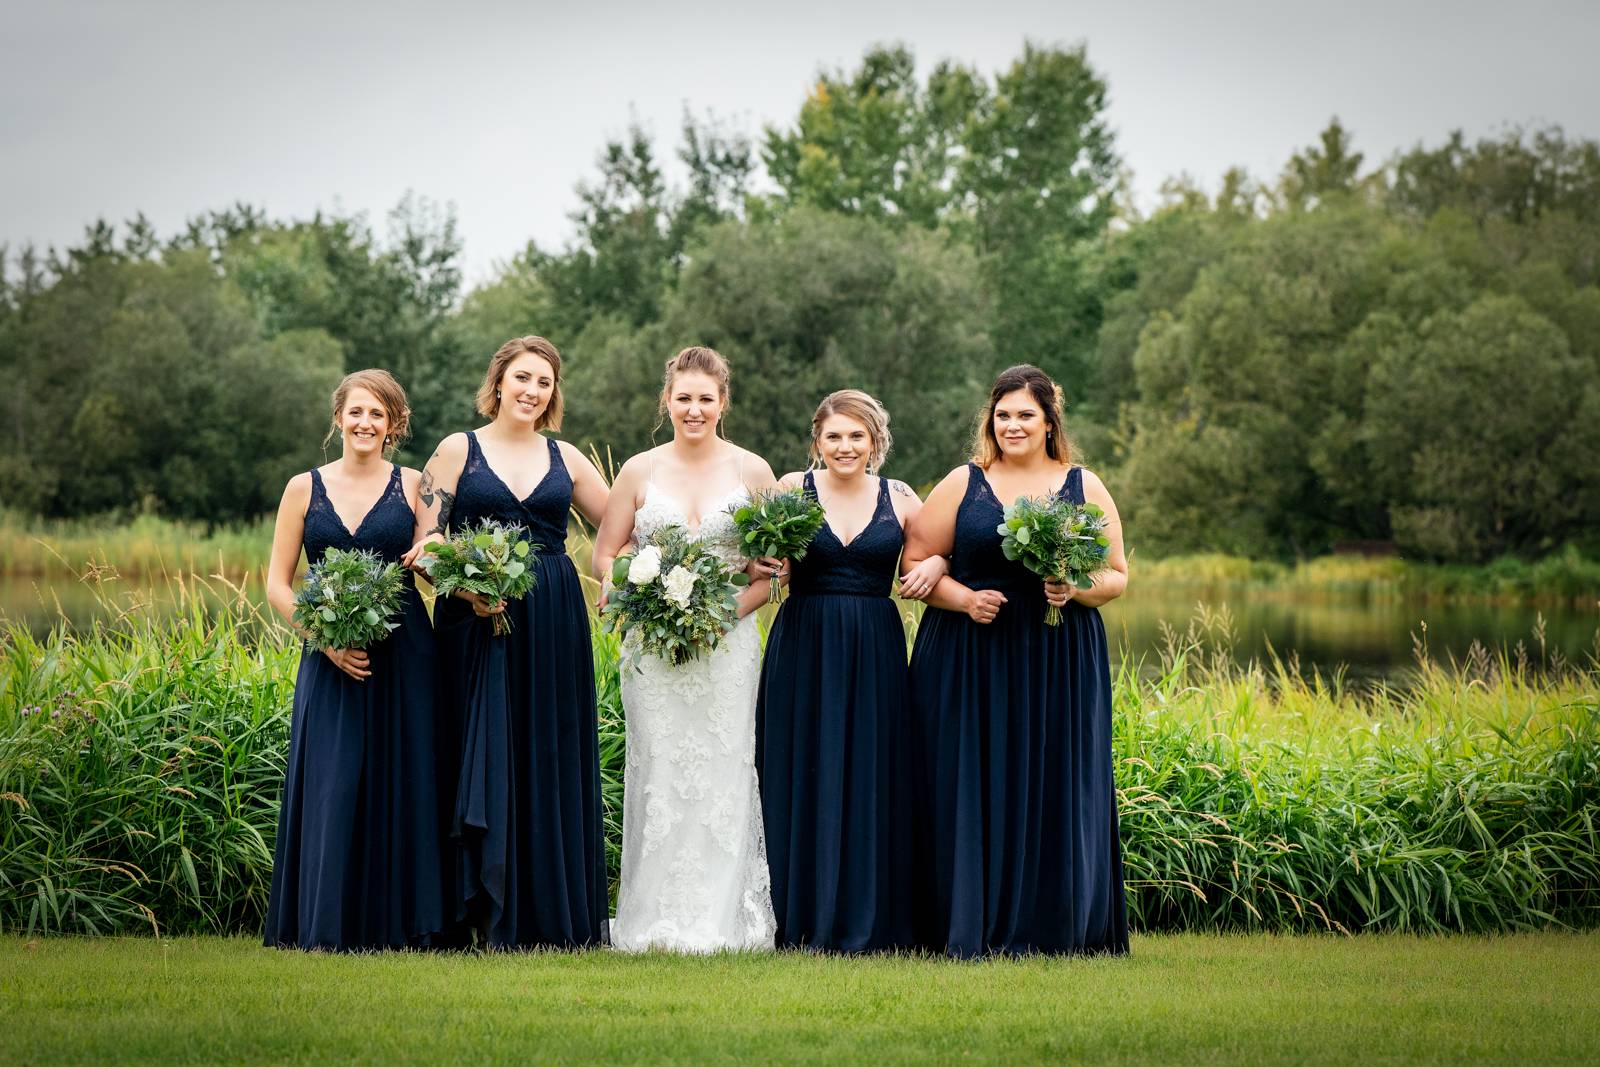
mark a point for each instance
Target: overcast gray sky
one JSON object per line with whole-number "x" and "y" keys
{"x": 173, "y": 106}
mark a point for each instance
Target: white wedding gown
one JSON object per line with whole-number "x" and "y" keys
{"x": 694, "y": 860}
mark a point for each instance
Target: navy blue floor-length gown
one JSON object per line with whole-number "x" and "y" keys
{"x": 1018, "y": 850}
{"x": 831, "y": 745}
{"x": 359, "y": 862}
{"x": 529, "y": 839}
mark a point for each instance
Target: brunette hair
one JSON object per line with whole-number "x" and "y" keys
{"x": 854, "y": 404}
{"x": 1045, "y": 392}
{"x": 694, "y": 358}
{"x": 381, "y": 384}
{"x": 488, "y": 399}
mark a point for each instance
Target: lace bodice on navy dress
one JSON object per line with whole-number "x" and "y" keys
{"x": 864, "y": 567}
{"x": 385, "y": 529}
{"x": 480, "y": 494}
{"x": 976, "y": 561}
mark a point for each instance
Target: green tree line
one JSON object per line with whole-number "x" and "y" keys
{"x": 1399, "y": 351}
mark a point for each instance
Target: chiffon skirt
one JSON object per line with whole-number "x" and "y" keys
{"x": 526, "y": 821}
{"x": 1019, "y": 850}
{"x": 831, "y": 749}
{"x": 359, "y": 860}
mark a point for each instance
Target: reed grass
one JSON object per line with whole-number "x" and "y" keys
{"x": 153, "y": 548}
{"x": 147, "y": 546}
{"x": 141, "y": 760}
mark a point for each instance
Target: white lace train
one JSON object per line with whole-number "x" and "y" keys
{"x": 694, "y": 861}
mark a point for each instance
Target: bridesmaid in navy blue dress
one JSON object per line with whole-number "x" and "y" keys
{"x": 525, "y": 816}
{"x": 358, "y": 862}
{"x": 831, "y": 719}
{"x": 1019, "y": 850}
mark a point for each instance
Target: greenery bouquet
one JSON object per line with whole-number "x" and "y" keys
{"x": 1057, "y": 540}
{"x": 781, "y": 523}
{"x": 677, "y": 595}
{"x": 492, "y": 559}
{"x": 349, "y": 599}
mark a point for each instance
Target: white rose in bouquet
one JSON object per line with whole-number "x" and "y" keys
{"x": 645, "y": 566}
{"x": 680, "y": 586}
{"x": 681, "y": 616}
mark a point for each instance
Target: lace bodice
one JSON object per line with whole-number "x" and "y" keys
{"x": 385, "y": 529}
{"x": 977, "y": 561}
{"x": 716, "y": 532}
{"x": 864, "y": 567}
{"x": 482, "y": 494}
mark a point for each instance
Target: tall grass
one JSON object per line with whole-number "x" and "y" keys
{"x": 152, "y": 548}
{"x": 141, "y": 761}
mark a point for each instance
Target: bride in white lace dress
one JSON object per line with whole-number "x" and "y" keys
{"x": 694, "y": 862}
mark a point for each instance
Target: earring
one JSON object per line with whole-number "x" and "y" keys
{"x": 497, "y": 394}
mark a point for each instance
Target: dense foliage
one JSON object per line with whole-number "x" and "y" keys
{"x": 1404, "y": 352}
{"x": 140, "y": 766}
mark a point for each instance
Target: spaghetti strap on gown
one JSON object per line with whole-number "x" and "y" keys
{"x": 526, "y": 816}
{"x": 1019, "y": 851}
{"x": 358, "y": 862}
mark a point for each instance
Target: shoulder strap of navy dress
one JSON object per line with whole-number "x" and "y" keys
{"x": 1072, "y": 488}
{"x": 810, "y": 486}
{"x": 976, "y": 480}
{"x": 555, "y": 455}
{"x": 318, "y": 490}
{"x": 883, "y": 498}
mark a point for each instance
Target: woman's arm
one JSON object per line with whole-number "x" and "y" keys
{"x": 616, "y": 523}
{"x": 933, "y": 533}
{"x": 436, "y": 495}
{"x": 589, "y": 490}
{"x": 1112, "y": 581}
{"x": 918, "y": 581}
{"x": 288, "y": 531}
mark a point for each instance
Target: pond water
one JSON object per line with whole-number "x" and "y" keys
{"x": 1368, "y": 640}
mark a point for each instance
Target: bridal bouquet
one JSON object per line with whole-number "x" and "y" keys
{"x": 778, "y": 523}
{"x": 492, "y": 559}
{"x": 1057, "y": 540}
{"x": 348, "y": 600}
{"x": 676, "y": 594}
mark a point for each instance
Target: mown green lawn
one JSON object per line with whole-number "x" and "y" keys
{"x": 1180, "y": 999}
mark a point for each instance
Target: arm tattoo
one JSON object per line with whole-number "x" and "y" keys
{"x": 447, "y": 501}
{"x": 427, "y": 488}
{"x": 900, "y": 487}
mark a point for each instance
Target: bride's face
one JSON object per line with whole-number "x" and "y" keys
{"x": 695, "y": 404}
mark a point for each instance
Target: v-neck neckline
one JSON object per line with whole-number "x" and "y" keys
{"x": 353, "y": 534}
{"x": 510, "y": 492}
{"x": 989, "y": 486}
{"x": 877, "y": 506}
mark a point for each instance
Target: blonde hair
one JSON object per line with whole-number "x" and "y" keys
{"x": 1045, "y": 392}
{"x": 488, "y": 399}
{"x": 381, "y": 384}
{"x": 854, "y": 404}
{"x": 694, "y": 358}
